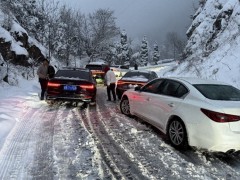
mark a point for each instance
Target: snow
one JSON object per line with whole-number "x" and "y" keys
{"x": 15, "y": 46}
{"x": 76, "y": 154}
{"x": 98, "y": 62}
{"x": 9, "y": 113}
{"x": 4, "y": 34}
{"x": 69, "y": 144}
{"x": 18, "y": 49}
{"x": 16, "y": 28}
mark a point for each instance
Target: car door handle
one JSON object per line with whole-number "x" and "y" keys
{"x": 148, "y": 99}
{"x": 171, "y": 104}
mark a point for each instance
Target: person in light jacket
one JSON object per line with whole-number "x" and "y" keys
{"x": 110, "y": 80}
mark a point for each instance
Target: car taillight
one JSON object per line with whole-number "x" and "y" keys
{"x": 51, "y": 84}
{"x": 120, "y": 83}
{"x": 220, "y": 117}
{"x": 91, "y": 86}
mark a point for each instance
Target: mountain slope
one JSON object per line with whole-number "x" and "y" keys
{"x": 213, "y": 48}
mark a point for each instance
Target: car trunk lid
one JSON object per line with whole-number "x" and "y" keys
{"x": 231, "y": 108}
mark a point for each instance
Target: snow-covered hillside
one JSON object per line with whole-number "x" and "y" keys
{"x": 213, "y": 49}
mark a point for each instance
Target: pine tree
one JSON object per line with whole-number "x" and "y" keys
{"x": 144, "y": 52}
{"x": 156, "y": 53}
{"x": 124, "y": 48}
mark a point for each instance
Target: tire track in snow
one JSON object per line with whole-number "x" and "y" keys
{"x": 72, "y": 147}
{"x": 109, "y": 170}
{"x": 121, "y": 127}
{"x": 116, "y": 159}
{"x": 17, "y": 152}
{"x": 42, "y": 166}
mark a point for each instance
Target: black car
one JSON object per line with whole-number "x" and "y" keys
{"x": 132, "y": 79}
{"x": 72, "y": 84}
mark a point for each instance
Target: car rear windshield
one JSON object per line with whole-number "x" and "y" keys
{"x": 94, "y": 67}
{"x": 73, "y": 74}
{"x": 219, "y": 92}
{"x": 137, "y": 74}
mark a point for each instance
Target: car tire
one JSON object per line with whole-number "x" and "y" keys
{"x": 177, "y": 134}
{"x": 50, "y": 102}
{"x": 92, "y": 103}
{"x": 84, "y": 105}
{"x": 125, "y": 107}
{"x": 119, "y": 96}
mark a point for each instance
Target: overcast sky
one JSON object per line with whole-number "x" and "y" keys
{"x": 153, "y": 18}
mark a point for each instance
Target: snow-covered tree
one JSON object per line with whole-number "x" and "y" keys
{"x": 144, "y": 52}
{"x": 26, "y": 12}
{"x": 125, "y": 50}
{"x": 174, "y": 44}
{"x": 67, "y": 35}
{"x": 156, "y": 53}
{"x": 64, "y": 32}
{"x": 103, "y": 29}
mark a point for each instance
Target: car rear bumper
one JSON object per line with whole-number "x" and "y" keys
{"x": 87, "y": 99}
{"x": 219, "y": 139}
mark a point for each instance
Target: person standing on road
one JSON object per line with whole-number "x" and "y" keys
{"x": 110, "y": 80}
{"x": 51, "y": 71}
{"x": 42, "y": 73}
{"x": 135, "y": 66}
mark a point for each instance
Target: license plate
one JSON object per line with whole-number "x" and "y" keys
{"x": 70, "y": 88}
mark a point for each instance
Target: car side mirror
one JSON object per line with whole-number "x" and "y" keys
{"x": 137, "y": 88}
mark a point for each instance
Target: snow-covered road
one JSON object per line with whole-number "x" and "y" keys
{"x": 65, "y": 142}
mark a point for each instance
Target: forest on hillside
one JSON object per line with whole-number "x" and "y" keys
{"x": 68, "y": 34}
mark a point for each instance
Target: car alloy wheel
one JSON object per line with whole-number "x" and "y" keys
{"x": 177, "y": 134}
{"x": 124, "y": 106}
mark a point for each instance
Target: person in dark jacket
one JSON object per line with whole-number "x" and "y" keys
{"x": 43, "y": 76}
{"x": 51, "y": 71}
{"x": 135, "y": 66}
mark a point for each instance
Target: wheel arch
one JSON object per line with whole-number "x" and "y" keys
{"x": 175, "y": 117}
{"x": 125, "y": 97}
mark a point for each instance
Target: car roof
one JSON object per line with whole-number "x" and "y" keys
{"x": 74, "y": 69}
{"x": 195, "y": 80}
{"x": 97, "y": 63}
{"x": 141, "y": 71}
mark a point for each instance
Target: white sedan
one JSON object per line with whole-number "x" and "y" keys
{"x": 190, "y": 111}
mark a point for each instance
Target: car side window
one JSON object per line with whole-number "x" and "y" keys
{"x": 181, "y": 91}
{"x": 173, "y": 88}
{"x": 153, "y": 75}
{"x": 152, "y": 87}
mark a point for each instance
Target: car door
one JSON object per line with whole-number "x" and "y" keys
{"x": 162, "y": 104}
{"x": 143, "y": 98}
